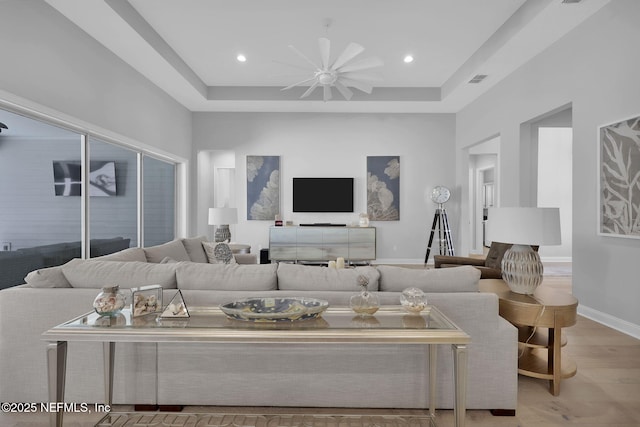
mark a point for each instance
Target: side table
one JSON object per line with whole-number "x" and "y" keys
{"x": 540, "y": 351}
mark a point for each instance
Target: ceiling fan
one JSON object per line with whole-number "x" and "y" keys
{"x": 343, "y": 73}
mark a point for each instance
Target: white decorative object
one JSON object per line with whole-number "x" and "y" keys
{"x": 364, "y": 220}
{"x": 340, "y": 262}
{"x": 523, "y": 227}
{"x": 413, "y": 300}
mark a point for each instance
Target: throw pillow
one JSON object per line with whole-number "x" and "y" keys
{"x": 51, "y": 277}
{"x": 127, "y": 274}
{"x": 295, "y": 277}
{"x": 226, "y": 277}
{"x": 218, "y": 253}
{"x": 193, "y": 246}
{"x": 456, "y": 279}
{"x": 173, "y": 249}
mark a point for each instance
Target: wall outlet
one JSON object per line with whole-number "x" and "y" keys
{"x": 5, "y": 246}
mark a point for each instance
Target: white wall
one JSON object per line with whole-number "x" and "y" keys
{"x": 47, "y": 60}
{"x": 595, "y": 70}
{"x": 337, "y": 145}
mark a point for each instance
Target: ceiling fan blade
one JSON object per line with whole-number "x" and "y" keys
{"x": 350, "y": 52}
{"x": 299, "y": 67}
{"x": 311, "y": 88}
{"x": 303, "y": 56}
{"x": 299, "y": 83}
{"x": 365, "y": 64}
{"x": 365, "y": 77}
{"x": 326, "y": 96}
{"x": 325, "y": 49}
{"x": 343, "y": 90}
{"x": 365, "y": 87}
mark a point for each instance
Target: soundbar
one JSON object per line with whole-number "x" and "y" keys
{"x": 322, "y": 224}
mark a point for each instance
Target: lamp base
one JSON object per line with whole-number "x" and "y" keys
{"x": 522, "y": 269}
{"x": 222, "y": 234}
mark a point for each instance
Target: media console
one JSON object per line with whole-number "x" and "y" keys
{"x": 322, "y": 243}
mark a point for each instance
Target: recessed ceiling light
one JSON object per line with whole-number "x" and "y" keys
{"x": 241, "y": 58}
{"x": 408, "y": 59}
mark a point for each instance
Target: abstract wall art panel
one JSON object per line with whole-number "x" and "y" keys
{"x": 619, "y": 179}
{"x": 383, "y": 188}
{"x": 263, "y": 187}
{"x": 67, "y": 177}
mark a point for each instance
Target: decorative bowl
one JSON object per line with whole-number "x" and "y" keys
{"x": 274, "y": 309}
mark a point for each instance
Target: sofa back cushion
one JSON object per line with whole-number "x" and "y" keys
{"x": 228, "y": 277}
{"x": 130, "y": 254}
{"x": 456, "y": 279}
{"x": 127, "y": 274}
{"x": 193, "y": 246}
{"x": 294, "y": 277}
{"x": 173, "y": 249}
{"x": 51, "y": 277}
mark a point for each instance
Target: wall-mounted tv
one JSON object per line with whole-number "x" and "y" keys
{"x": 323, "y": 194}
{"x": 67, "y": 178}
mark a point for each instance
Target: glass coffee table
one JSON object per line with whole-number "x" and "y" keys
{"x": 389, "y": 325}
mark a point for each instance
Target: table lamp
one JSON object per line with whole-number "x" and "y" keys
{"x": 222, "y": 217}
{"x": 521, "y": 266}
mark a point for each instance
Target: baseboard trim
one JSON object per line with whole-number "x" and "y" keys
{"x": 611, "y": 321}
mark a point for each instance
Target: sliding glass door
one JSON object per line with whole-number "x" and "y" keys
{"x": 113, "y": 198}
{"x": 130, "y": 194}
{"x": 159, "y": 201}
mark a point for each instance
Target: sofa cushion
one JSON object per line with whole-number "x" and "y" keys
{"x": 130, "y": 254}
{"x": 127, "y": 274}
{"x": 218, "y": 253}
{"x": 51, "y": 277}
{"x": 312, "y": 278}
{"x": 193, "y": 246}
{"x": 173, "y": 249}
{"x": 256, "y": 277}
{"x": 456, "y": 279}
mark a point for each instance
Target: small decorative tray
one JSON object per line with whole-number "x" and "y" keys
{"x": 274, "y": 309}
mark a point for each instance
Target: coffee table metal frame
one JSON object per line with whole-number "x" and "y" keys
{"x": 80, "y": 329}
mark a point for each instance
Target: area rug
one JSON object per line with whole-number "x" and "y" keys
{"x": 159, "y": 419}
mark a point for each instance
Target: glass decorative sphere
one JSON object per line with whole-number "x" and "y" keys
{"x": 413, "y": 300}
{"x": 110, "y": 301}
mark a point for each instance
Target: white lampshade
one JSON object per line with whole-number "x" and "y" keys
{"x": 524, "y": 226}
{"x": 223, "y": 216}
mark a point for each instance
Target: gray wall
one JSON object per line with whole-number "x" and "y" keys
{"x": 595, "y": 70}
{"x": 49, "y": 61}
{"x": 337, "y": 145}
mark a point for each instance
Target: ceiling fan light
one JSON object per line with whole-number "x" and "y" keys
{"x": 327, "y": 78}
{"x": 408, "y": 59}
{"x": 241, "y": 58}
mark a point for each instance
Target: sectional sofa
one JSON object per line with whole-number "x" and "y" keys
{"x": 330, "y": 375}
{"x": 15, "y": 265}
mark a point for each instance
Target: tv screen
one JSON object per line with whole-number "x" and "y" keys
{"x": 323, "y": 194}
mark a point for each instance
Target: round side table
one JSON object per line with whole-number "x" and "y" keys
{"x": 539, "y": 318}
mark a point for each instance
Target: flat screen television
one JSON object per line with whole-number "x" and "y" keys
{"x": 323, "y": 194}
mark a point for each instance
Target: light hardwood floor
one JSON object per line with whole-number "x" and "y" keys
{"x": 604, "y": 392}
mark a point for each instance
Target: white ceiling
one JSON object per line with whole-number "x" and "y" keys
{"x": 188, "y": 47}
